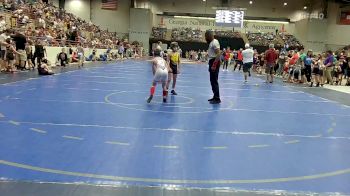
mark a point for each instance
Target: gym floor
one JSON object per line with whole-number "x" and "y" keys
{"x": 93, "y": 126}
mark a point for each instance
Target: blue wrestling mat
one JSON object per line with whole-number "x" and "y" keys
{"x": 94, "y": 126}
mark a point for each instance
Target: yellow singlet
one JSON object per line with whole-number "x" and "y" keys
{"x": 174, "y": 58}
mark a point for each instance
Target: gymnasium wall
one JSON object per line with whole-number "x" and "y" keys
{"x": 312, "y": 33}
{"x": 337, "y": 35}
{"x": 52, "y": 52}
{"x": 140, "y": 23}
{"x": 80, "y": 8}
{"x": 301, "y": 30}
{"x": 113, "y": 20}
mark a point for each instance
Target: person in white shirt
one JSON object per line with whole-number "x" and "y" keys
{"x": 248, "y": 58}
{"x": 3, "y": 44}
{"x": 214, "y": 65}
{"x": 42, "y": 23}
{"x": 160, "y": 74}
{"x": 2, "y": 23}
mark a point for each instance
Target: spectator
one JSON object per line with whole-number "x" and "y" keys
{"x": 44, "y": 68}
{"x": 92, "y": 57}
{"x": 81, "y": 55}
{"x": 282, "y": 58}
{"x": 20, "y": 41}
{"x": 62, "y": 58}
{"x": 270, "y": 58}
{"x": 2, "y": 23}
{"x": 41, "y": 22}
{"x": 74, "y": 57}
{"x": 292, "y": 65}
{"x": 29, "y": 53}
{"x": 227, "y": 54}
{"x": 317, "y": 72}
{"x": 239, "y": 60}
{"x": 3, "y": 43}
{"x": 308, "y": 65}
{"x": 10, "y": 56}
{"x": 329, "y": 64}
{"x": 121, "y": 51}
{"x": 39, "y": 52}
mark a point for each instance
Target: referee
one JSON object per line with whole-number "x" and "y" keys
{"x": 214, "y": 65}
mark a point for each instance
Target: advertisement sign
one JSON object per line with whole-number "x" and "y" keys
{"x": 206, "y": 24}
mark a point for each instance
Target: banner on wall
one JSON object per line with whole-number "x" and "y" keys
{"x": 345, "y": 18}
{"x": 206, "y": 24}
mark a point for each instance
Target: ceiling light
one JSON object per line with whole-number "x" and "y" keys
{"x": 285, "y": 3}
{"x": 305, "y": 7}
{"x": 250, "y": 2}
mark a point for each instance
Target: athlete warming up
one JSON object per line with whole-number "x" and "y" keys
{"x": 160, "y": 72}
{"x": 174, "y": 62}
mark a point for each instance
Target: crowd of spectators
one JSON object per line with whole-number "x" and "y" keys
{"x": 263, "y": 39}
{"x": 231, "y": 34}
{"x": 159, "y": 33}
{"x": 305, "y": 67}
{"x": 200, "y": 55}
{"x": 55, "y": 26}
{"x": 40, "y": 24}
{"x": 187, "y": 34}
{"x": 290, "y": 41}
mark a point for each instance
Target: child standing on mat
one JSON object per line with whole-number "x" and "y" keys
{"x": 81, "y": 56}
{"x": 174, "y": 62}
{"x": 160, "y": 72}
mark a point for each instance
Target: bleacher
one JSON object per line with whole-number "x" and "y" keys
{"x": 54, "y": 26}
{"x": 290, "y": 41}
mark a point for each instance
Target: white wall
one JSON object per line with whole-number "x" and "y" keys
{"x": 113, "y": 20}
{"x": 312, "y": 33}
{"x": 317, "y": 35}
{"x": 338, "y": 35}
{"x": 52, "y": 52}
{"x": 80, "y": 8}
{"x": 140, "y": 26}
{"x": 301, "y": 30}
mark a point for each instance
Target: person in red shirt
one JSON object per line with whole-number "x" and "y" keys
{"x": 271, "y": 60}
{"x": 292, "y": 65}
{"x": 227, "y": 58}
{"x": 239, "y": 60}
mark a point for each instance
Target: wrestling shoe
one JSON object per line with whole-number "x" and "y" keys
{"x": 149, "y": 99}
{"x": 173, "y": 92}
{"x": 215, "y": 101}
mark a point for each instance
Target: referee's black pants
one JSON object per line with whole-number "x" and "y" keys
{"x": 214, "y": 77}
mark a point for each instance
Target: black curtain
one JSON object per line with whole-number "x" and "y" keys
{"x": 233, "y": 43}
{"x": 61, "y": 4}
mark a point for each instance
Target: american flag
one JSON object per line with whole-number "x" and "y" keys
{"x": 110, "y": 4}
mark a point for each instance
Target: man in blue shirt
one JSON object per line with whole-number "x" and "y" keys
{"x": 329, "y": 64}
